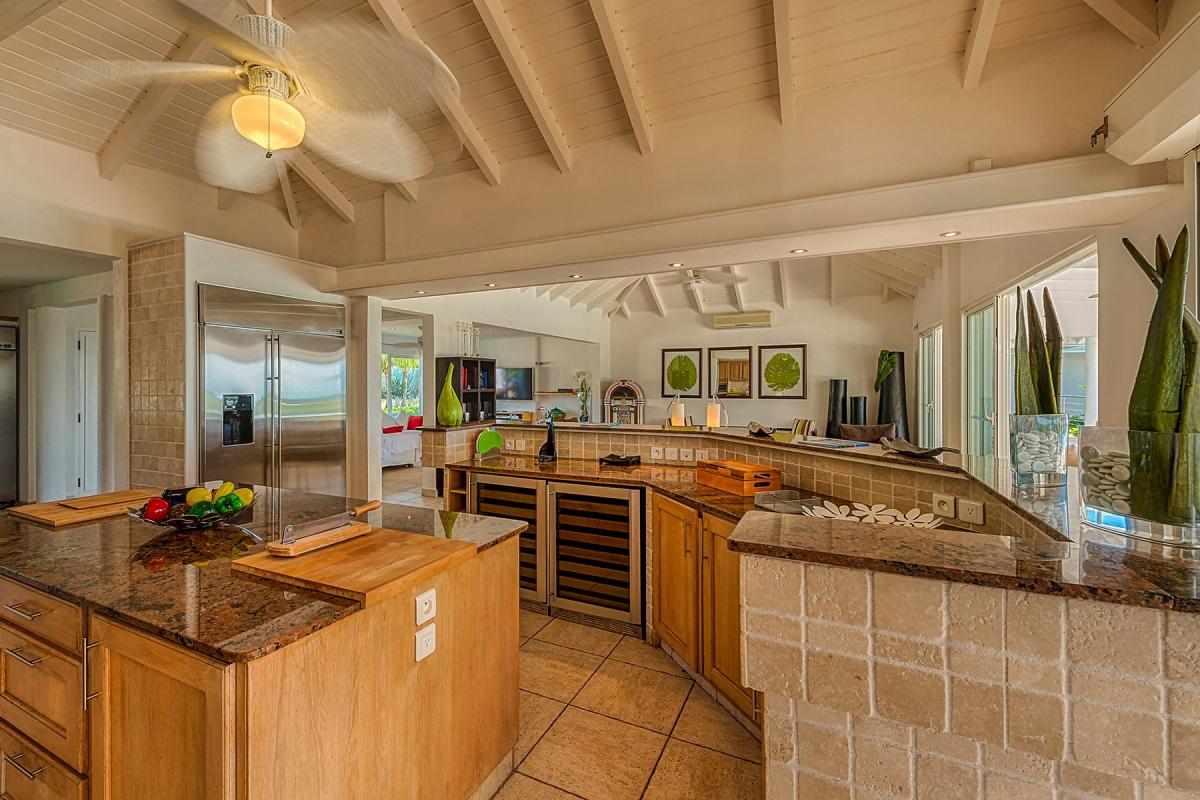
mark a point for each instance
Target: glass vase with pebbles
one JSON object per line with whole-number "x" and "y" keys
{"x": 1038, "y": 445}
{"x": 1123, "y": 489}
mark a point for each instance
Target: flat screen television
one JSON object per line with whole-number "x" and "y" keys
{"x": 514, "y": 383}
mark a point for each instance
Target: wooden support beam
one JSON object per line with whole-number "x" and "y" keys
{"x": 616, "y": 295}
{"x": 289, "y": 196}
{"x": 16, "y": 14}
{"x": 392, "y": 15}
{"x": 1137, "y": 19}
{"x": 542, "y": 290}
{"x": 311, "y": 174}
{"x": 563, "y": 288}
{"x": 898, "y": 286}
{"x": 407, "y": 190}
{"x": 697, "y": 294}
{"x": 783, "y": 61}
{"x": 781, "y": 278}
{"x": 739, "y": 298}
{"x": 595, "y": 289}
{"x": 892, "y": 264}
{"x": 655, "y": 296}
{"x": 505, "y": 39}
{"x": 983, "y": 25}
{"x": 225, "y": 198}
{"x": 622, "y": 67}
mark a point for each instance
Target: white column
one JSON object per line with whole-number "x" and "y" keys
{"x": 364, "y": 344}
{"x": 952, "y": 346}
{"x": 1091, "y": 403}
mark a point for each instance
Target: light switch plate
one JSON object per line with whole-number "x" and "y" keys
{"x": 702, "y": 455}
{"x": 672, "y": 453}
{"x": 686, "y": 456}
{"x": 426, "y": 606}
{"x": 426, "y": 642}
{"x": 656, "y": 454}
{"x": 971, "y": 511}
{"x": 520, "y": 444}
{"x": 943, "y": 505}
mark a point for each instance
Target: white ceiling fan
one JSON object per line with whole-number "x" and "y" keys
{"x": 342, "y": 87}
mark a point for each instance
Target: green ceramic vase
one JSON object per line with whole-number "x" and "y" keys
{"x": 449, "y": 407}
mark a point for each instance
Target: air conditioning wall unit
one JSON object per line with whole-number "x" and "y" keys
{"x": 747, "y": 319}
{"x": 1157, "y": 115}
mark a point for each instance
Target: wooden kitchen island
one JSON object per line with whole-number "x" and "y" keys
{"x": 138, "y": 664}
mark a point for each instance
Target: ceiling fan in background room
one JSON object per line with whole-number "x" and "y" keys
{"x": 340, "y": 86}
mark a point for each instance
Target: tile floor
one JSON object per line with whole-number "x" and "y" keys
{"x": 402, "y": 485}
{"x": 608, "y": 717}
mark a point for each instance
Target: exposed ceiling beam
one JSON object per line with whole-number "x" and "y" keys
{"x": 1137, "y": 19}
{"x": 407, "y": 190}
{"x": 901, "y": 267}
{"x": 622, "y": 67}
{"x": 983, "y": 25}
{"x": 396, "y": 21}
{"x": 694, "y": 286}
{"x": 783, "y": 61}
{"x": 562, "y": 288}
{"x": 781, "y": 277}
{"x": 655, "y": 297}
{"x": 739, "y": 298}
{"x": 311, "y": 174}
{"x": 608, "y": 299}
{"x": 898, "y": 286}
{"x": 541, "y": 290}
{"x": 620, "y": 308}
{"x": 289, "y": 196}
{"x": 930, "y": 257}
{"x": 597, "y": 291}
{"x": 505, "y": 39}
{"x": 878, "y": 262}
{"x": 225, "y": 197}
{"x": 16, "y": 14}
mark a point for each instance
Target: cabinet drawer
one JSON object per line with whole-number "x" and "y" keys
{"x": 41, "y": 695}
{"x": 28, "y": 773}
{"x": 54, "y": 620}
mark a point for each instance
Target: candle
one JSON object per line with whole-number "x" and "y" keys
{"x": 714, "y": 415}
{"x": 677, "y": 413}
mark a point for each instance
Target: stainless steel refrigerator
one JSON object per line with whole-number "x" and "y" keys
{"x": 273, "y": 378}
{"x": 8, "y": 415}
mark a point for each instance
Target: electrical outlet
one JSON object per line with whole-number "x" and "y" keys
{"x": 656, "y": 454}
{"x": 426, "y": 642}
{"x": 509, "y": 444}
{"x": 943, "y": 505}
{"x": 971, "y": 511}
{"x": 426, "y": 606}
{"x": 702, "y": 455}
{"x": 672, "y": 454}
{"x": 687, "y": 456}
{"x": 521, "y": 444}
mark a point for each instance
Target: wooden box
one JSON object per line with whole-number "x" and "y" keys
{"x": 738, "y": 477}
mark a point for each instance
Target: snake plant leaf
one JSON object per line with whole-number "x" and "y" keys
{"x": 449, "y": 407}
{"x": 1026, "y": 395}
{"x": 1039, "y": 360}
{"x": 884, "y": 367}
{"x": 782, "y": 372}
{"x": 1054, "y": 346}
{"x": 681, "y": 373}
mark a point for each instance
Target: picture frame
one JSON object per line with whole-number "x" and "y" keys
{"x": 783, "y": 372}
{"x": 683, "y": 366}
{"x": 731, "y": 378}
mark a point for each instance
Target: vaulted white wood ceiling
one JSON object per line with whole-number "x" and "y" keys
{"x": 539, "y": 78}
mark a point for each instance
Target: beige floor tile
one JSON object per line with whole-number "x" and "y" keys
{"x": 705, "y": 722}
{"x": 536, "y": 715}
{"x": 553, "y": 671}
{"x": 579, "y": 637}
{"x": 635, "y": 694}
{"x": 636, "y": 651}
{"x": 522, "y": 787}
{"x": 686, "y": 772}
{"x": 532, "y": 622}
{"x": 595, "y": 757}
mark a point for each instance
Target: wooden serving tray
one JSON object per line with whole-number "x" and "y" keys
{"x": 738, "y": 477}
{"x": 83, "y": 509}
{"x": 368, "y": 568}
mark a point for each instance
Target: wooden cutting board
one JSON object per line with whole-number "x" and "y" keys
{"x": 738, "y": 477}
{"x": 100, "y": 506}
{"x": 368, "y": 569}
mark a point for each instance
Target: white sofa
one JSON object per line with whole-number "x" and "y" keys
{"x": 402, "y": 448}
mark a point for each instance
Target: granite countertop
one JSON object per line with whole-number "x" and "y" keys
{"x": 180, "y": 586}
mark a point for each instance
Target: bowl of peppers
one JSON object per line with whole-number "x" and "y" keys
{"x": 196, "y": 507}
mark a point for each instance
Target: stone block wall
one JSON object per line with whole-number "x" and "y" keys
{"x": 156, "y": 364}
{"x": 889, "y": 686}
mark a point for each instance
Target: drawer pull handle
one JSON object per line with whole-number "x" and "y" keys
{"x": 15, "y": 652}
{"x": 13, "y": 761}
{"x": 87, "y": 697}
{"x": 28, "y": 616}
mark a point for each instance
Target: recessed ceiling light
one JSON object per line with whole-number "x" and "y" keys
{"x": 419, "y": 291}
{"x": 676, "y": 264}
{"x": 798, "y": 251}
{"x": 576, "y": 276}
{"x": 951, "y": 234}
{"x": 492, "y": 285}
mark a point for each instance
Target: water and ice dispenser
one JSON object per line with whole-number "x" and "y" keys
{"x": 238, "y": 422}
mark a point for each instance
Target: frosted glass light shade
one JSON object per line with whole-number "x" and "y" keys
{"x": 713, "y": 417}
{"x": 269, "y": 122}
{"x": 677, "y": 413}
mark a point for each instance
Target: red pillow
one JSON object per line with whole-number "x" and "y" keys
{"x": 415, "y": 422}
{"x": 394, "y": 429}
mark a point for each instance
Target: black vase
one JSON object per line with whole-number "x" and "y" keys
{"x": 837, "y": 407}
{"x": 893, "y": 399}
{"x": 858, "y": 410}
{"x": 549, "y": 451}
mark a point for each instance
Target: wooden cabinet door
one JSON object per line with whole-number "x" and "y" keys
{"x": 151, "y": 697}
{"x": 40, "y": 695}
{"x": 721, "y": 661}
{"x": 676, "y": 601}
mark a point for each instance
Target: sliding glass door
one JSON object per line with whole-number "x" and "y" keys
{"x": 929, "y": 372}
{"x": 980, "y": 387}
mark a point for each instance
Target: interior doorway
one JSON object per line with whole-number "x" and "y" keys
{"x": 980, "y": 387}
{"x": 87, "y": 418}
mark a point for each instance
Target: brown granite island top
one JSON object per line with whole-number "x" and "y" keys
{"x": 180, "y": 586}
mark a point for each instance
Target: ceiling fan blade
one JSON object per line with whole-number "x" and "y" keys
{"x": 362, "y": 68}
{"x": 224, "y": 158}
{"x": 375, "y": 144}
{"x": 96, "y": 72}
{"x": 217, "y": 21}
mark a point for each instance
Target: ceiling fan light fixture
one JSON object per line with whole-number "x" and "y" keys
{"x": 264, "y": 116}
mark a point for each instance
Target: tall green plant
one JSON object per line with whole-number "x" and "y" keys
{"x": 1038, "y": 368}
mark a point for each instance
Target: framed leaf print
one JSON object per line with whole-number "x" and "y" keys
{"x": 783, "y": 371}
{"x": 682, "y": 373}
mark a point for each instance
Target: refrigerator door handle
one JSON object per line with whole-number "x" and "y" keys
{"x": 277, "y": 453}
{"x": 270, "y": 409}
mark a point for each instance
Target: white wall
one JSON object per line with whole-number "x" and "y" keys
{"x": 843, "y": 341}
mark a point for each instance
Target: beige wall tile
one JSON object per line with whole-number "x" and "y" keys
{"x": 1044, "y": 676}
{"x": 838, "y": 638}
{"x": 890, "y": 647}
{"x": 810, "y": 787}
{"x": 978, "y": 663}
{"x": 833, "y": 593}
{"x": 773, "y": 584}
{"x": 1185, "y": 755}
{"x": 1115, "y": 741}
{"x": 1016, "y": 763}
{"x": 977, "y": 710}
{"x": 837, "y": 682}
{"x": 910, "y": 696}
{"x": 1035, "y": 723}
{"x": 1000, "y": 787}
{"x": 1095, "y": 783}
{"x": 1140, "y": 694}
{"x": 1034, "y": 624}
{"x": 954, "y": 747}
{"x": 824, "y": 751}
{"x": 1115, "y": 636}
{"x": 908, "y": 605}
{"x": 1183, "y": 646}
{"x": 938, "y": 779}
{"x": 775, "y": 667}
{"x": 881, "y": 767}
{"x": 975, "y": 615}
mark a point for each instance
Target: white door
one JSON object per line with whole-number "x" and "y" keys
{"x": 87, "y": 432}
